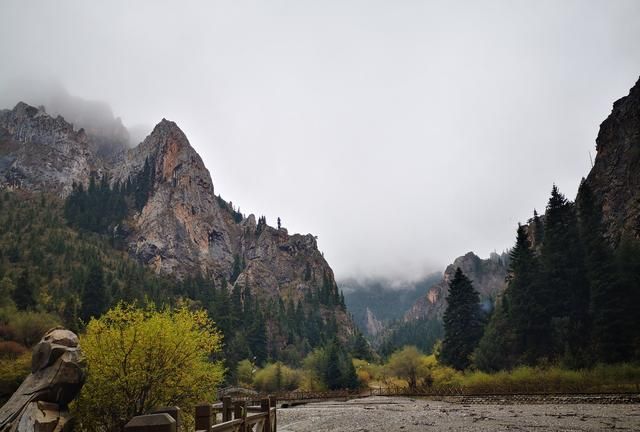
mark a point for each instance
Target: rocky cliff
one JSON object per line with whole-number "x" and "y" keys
{"x": 42, "y": 153}
{"x": 373, "y": 325}
{"x": 182, "y": 228}
{"x": 488, "y": 277}
{"x": 615, "y": 178}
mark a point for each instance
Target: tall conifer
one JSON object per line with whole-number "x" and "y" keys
{"x": 462, "y": 322}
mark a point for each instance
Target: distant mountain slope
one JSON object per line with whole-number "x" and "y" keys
{"x": 488, "y": 277}
{"x": 374, "y": 303}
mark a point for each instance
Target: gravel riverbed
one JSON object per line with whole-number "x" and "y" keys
{"x": 407, "y": 415}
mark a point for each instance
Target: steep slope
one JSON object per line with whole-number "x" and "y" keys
{"x": 488, "y": 277}
{"x": 181, "y": 228}
{"x": 615, "y": 178}
{"x": 184, "y": 228}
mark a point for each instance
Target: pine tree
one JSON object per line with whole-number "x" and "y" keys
{"x": 528, "y": 317}
{"x": 95, "y": 300}
{"x": 564, "y": 280}
{"x": 495, "y": 351}
{"x": 627, "y": 259}
{"x": 333, "y": 373}
{"x": 236, "y": 306}
{"x": 258, "y": 337}
{"x": 361, "y": 349}
{"x": 607, "y": 302}
{"x": 462, "y": 322}
{"x": 538, "y": 229}
{"x": 24, "y": 293}
{"x": 349, "y": 377}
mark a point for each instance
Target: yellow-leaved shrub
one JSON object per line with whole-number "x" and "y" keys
{"x": 140, "y": 359}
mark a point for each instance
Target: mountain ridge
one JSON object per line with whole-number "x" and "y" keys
{"x": 182, "y": 227}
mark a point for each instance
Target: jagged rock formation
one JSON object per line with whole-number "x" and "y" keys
{"x": 373, "y": 326}
{"x": 614, "y": 178}
{"x": 108, "y": 136}
{"x": 40, "y": 403}
{"x": 488, "y": 277}
{"x": 183, "y": 228}
{"x": 42, "y": 153}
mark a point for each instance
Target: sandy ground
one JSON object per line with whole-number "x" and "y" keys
{"x": 405, "y": 414}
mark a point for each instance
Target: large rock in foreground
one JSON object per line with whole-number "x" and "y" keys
{"x": 58, "y": 373}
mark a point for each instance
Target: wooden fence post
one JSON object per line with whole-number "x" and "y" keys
{"x": 151, "y": 423}
{"x": 173, "y": 411}
{"x": 226, "y": 408}
{"x": 240, "y": 412}
{"x": 273, "y": 403}
{"x": 204, "y": 417}
{"x": 265, "y": 406}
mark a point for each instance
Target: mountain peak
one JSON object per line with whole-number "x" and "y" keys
{"x": 40, "y": 152}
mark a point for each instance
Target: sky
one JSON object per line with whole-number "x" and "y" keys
{"x": 403, "y": 134}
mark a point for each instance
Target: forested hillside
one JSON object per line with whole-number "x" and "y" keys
{"x": 53, "y": 273}
{"x": 572, "y": 296}
{"x": 382, "y": 300}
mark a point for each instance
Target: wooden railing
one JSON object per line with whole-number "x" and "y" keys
{"x": 226, "y": 416}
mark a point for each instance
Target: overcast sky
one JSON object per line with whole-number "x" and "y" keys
{"x": 402, "y": 133}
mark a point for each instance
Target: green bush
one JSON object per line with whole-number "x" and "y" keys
{"x": 244, "y": 373}
{"x": 276, "y": 376}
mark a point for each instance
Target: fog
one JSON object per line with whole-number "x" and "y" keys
{"x": 402, "y": 134}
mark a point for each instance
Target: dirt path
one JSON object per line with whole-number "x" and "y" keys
{"x": 407, "y": 415}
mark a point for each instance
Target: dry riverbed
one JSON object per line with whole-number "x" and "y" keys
{"x": 407, "y": 415}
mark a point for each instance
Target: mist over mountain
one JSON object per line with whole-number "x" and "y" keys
{"x": 107, "y": 131}
{"x": 384, "y": 131}
{"x": 375, "y": 302}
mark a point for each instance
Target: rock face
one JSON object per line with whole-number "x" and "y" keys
{"x": 42, "y": 153}
{"x": 615, "y": 176}
{"x": 373, "y": 326}
{"x": 183, "y": 229}
{"x": 40, "y": 403}
{"x": 488, "y": 278}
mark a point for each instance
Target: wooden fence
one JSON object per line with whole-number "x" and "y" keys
{"x": 226, "y": 416}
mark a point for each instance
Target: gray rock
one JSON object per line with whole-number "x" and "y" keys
{"x": 46, "y": 154}
{"x": 184, "y": 229}
{"x": 614, "y": 178}
{"x": 58, "y": 373}
{"x": 488, "y": 277}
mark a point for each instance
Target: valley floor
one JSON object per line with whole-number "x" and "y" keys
{"x": 406, "y": 415}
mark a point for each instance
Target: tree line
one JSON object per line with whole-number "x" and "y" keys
{"x": 572, "y": 296}
{"x": 65, "y": 274}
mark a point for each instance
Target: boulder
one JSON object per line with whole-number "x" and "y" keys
{"x": 58, "y": 373}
